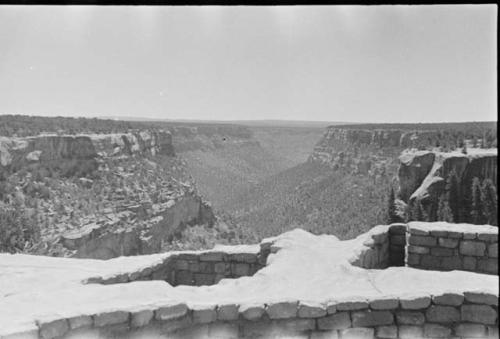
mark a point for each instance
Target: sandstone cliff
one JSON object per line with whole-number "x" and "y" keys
{"x": 99, "y": 195}
{"x": 422, "y": 175}
{"x": 368, "y": 150}
{"x": 77, "y": 150}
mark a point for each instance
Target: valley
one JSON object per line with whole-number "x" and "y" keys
{"x": 101, "y": 188}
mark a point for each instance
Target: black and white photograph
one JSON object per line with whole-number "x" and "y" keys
{"x": 248, "y": 171}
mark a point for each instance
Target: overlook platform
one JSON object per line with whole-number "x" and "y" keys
{"x": 295, "y": 285}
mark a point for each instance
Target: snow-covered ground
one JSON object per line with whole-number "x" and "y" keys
{"x": 305, "y": 267}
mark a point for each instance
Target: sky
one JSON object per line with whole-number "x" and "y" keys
{"x": 318, "y": 63}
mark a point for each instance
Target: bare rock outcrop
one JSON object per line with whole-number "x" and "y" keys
{"x": 105, "y": 241}
{"x": 422, "y": 174}
{"x": 79, "y": 150}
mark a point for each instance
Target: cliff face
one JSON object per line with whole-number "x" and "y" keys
{"x": 361, "y": 151}
{"x": 100, "y": 195}
{"x": 82, "y": 150}
{"x": 103, "y": 241}
{"x": 422, "y": 175}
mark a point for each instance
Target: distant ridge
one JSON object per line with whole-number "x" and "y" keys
{"x": 260, "y": 123}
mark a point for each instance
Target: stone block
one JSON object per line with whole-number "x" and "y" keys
{"x": 493, "y": 250}
{"x": 380, "y": 238}
{"x": 410, "y": 332}
{"x": 470, "y": 330}
{"x": 141, "y": 318}
{"x": 222, "y": 267}
{"x": 472, "y": 248}
{"x": 324, "y": 335}
{"x": 488, "y": 237}
{"x": 111, "y": 318}
{"x": 371, "y": 318}
{"x": 469, "y": 263}
{"x": 451, "y": 263}
{"x": 295, "y": 325}
{"x": 397, "y": 228}
{"x": 481, "y": 298}
{"x": 439, "y": 233}
{"x": 357, "y": 333}
{"x": 455, "y": 235}
{"x": 442, "y": 252}
{"x": 311, "y": 310}
{"x": 336, "y": 321}
{"x": 427, "y": 241}
{"x": 398, "y": 240}
{"x": 351, "y": 305}
{"x": 53, "y": 329}
{"x": 249, "y": 258}
{"x": 181, "y": 265}
{"x": 442, "y": 314}
{"x": 413, "y": 259}
{"x": 176, "y": 324}
{"x": 469, "y": 235}
{"x": 202, "y": 279}
{"x": 171, "y": 312}
{"x": 282, "y": 310}
{"x": 417, "y": 231}
{"x": 212, "y": 256}
{"x": 487, "y": 265}
{"x": 436, "y": 331}
{"x": 384, "y": 304}
{"x": 481, "y": 314}
{"x": 187, "y": 256}
{"x": 418, "y": 249}
{"x": 204, "y": 314}
{"x": 448, "y": 242}
{"x": 80, "y": 322}
{"x": 430, "y": 262}
{"x": 184, "y": 278}
{"x": 251, "y": 311}
{"x": 227, "y": 312}
{"x": 331, "y": 307}
{"x": 410, "y": 318}
{"x": 451, "y": 299}
{"x": 206, "y": 267}
{"x": 415, "y": 303}
{"x": 240, "y": 269}
{"x": 387, "y": 332}
{"x": 194, "y": 266}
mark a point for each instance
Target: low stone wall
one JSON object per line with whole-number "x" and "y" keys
{"x": 383, "y": 246}
{"x": 196, "y": 268}
{"x": 446, "y": 247}
{"x": 449, "y": 315}
{"x": 397, "y": 244}
{"x": 374, "y": 253}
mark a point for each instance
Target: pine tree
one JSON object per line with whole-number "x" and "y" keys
{"x": 444, "y": 211}
{"x": 489, "y": 199}
{"x": 452, "y": 191}
{"x": 477, "y": 203}
{"x": 392, "y": 217}
{"x": 417, "y": 212}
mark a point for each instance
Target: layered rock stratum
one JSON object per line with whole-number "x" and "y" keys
{"x": 102, "y": 195}
{"x": 422, "y": 174}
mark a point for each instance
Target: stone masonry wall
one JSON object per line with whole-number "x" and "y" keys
{"x": 451, "y": 315}
{"x": 446, "y": 247}
{"x": 196, "y": 268}
{"x": 383, "y": 247}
